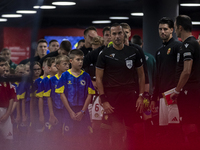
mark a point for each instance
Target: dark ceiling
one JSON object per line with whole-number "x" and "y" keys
{"x": 82, "y": 14}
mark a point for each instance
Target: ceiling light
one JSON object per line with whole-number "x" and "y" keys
{"x": 190, "y": 4}
{"x": 3, "y": 20}
{"x": 64, "y": 3}
{"x": 44, "y": 7}
{"x": 11, "y": 15}
{"x": 195, "y": 22}
{"x": 137, "y": 14}
{"x": 26, "y": 11}
{"x": 101, "y": 21}
{"x": 119, "y": 18}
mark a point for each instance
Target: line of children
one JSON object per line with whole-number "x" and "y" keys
{"x": 57, "y": 101}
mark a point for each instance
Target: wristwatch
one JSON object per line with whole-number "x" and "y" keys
{"x": 83, "y": 112}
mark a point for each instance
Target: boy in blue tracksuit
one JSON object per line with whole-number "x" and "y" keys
{"x": 54, "y": 102}
{"x": 76, "y": 89}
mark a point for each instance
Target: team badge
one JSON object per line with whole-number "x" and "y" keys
{"x": 96, "y": 115}
{"x": 168, "y": 51}
{"x": 66, "y": 128}
{"x": 83, "y": 82}
{"x": 106, "y": 117}
{"x": 4, "y": 83}
{"x": 129, "y": 64}
{"x": 112, "y": 55}
{"x": 69, "y": 82}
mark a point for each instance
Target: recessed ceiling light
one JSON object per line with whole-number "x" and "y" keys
{"x": 11, "y": 15}
{"x": 26, "y": 11}
{"x": 64, "y": 3}
{"x": 190, "y": 4}
{"x": 101, "y": 21}
{"x": 195, "y": 22}
{"x": 137, "y": 14}
{"x": 3, "y": 20}
{"x": 44, "y": 7}
{"x": 119, "y": 18}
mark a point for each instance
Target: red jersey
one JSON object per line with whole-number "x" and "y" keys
{"x": 7, "y": 92}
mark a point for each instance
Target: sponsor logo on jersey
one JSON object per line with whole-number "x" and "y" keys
{"x": 187, "y": 54}
{"x": 186, "y": 45}
{"x": 9, "y": 134}
{"x": 112, "y": 55}
{"x": 66, "y": 128}
{"x": 174, "y": 119}
{"x": 129, "y": 64}
{"x": 69, "y": 82}
{"x": 168, "y": 51}
{"x": 47, "y": 124}
{"x": 82, "y": 82}
{"x": 96, "y": 115}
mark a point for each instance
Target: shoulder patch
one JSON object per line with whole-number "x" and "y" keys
{"x": 187, "y": 54}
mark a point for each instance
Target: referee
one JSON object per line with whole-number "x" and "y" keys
{"x": 115, "y": 72}
{"x": 188, "y": 78}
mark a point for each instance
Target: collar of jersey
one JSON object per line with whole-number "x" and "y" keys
{"x": 57, "y": 76}
{"x": 41, "y": 77}
{"x": 17, "y": 83}
{"x": 48, "y": 76}
{"x": 74, "y": 75}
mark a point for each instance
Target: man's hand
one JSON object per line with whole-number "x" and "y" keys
{"x": 174, "y": 96}
{"x": 79, "y": 116}
{"x": 108, "y": 109}
{"x": 53, "y": 120}
{"x": 73, "y": 115}
{"x": 4, "y": 118}
{"x": 139, "y": 104}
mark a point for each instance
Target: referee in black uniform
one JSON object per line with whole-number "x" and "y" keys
{"x": 117, "y": 88}
{"x": 188, "y": 79}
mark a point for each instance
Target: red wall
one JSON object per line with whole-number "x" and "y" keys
{"x": 18, "y": 40}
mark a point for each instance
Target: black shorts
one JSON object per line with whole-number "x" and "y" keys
{"x": 124, "y": 103}
{"x": 189, "y": 106}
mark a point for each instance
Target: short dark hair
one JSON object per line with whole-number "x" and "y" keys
{"x": 5, "y": 49}
{"x": 66, "y": 45}
{"x": 167, "y": 20}
{"x": 115, "y": 25}
{"x": 41, "y": 41}
{"x": 75, "y": 52}
{"x": 52, "y": 41}
{"x": 2, "y": 59}
{"x": 88, "y": 29}
{"x": 107, "y": 28}
{"x": 82, "y": 40}
{"x": 50, "y": 61}
{"x": 136, "y": 39}
{"x": 185, "y": 22}
{"x": 125, "y": 25}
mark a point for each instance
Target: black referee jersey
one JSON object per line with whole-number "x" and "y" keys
{"x": 190, "y": 50}
{"x": 166, "y": 60}
{"x": 119, "y": 67}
